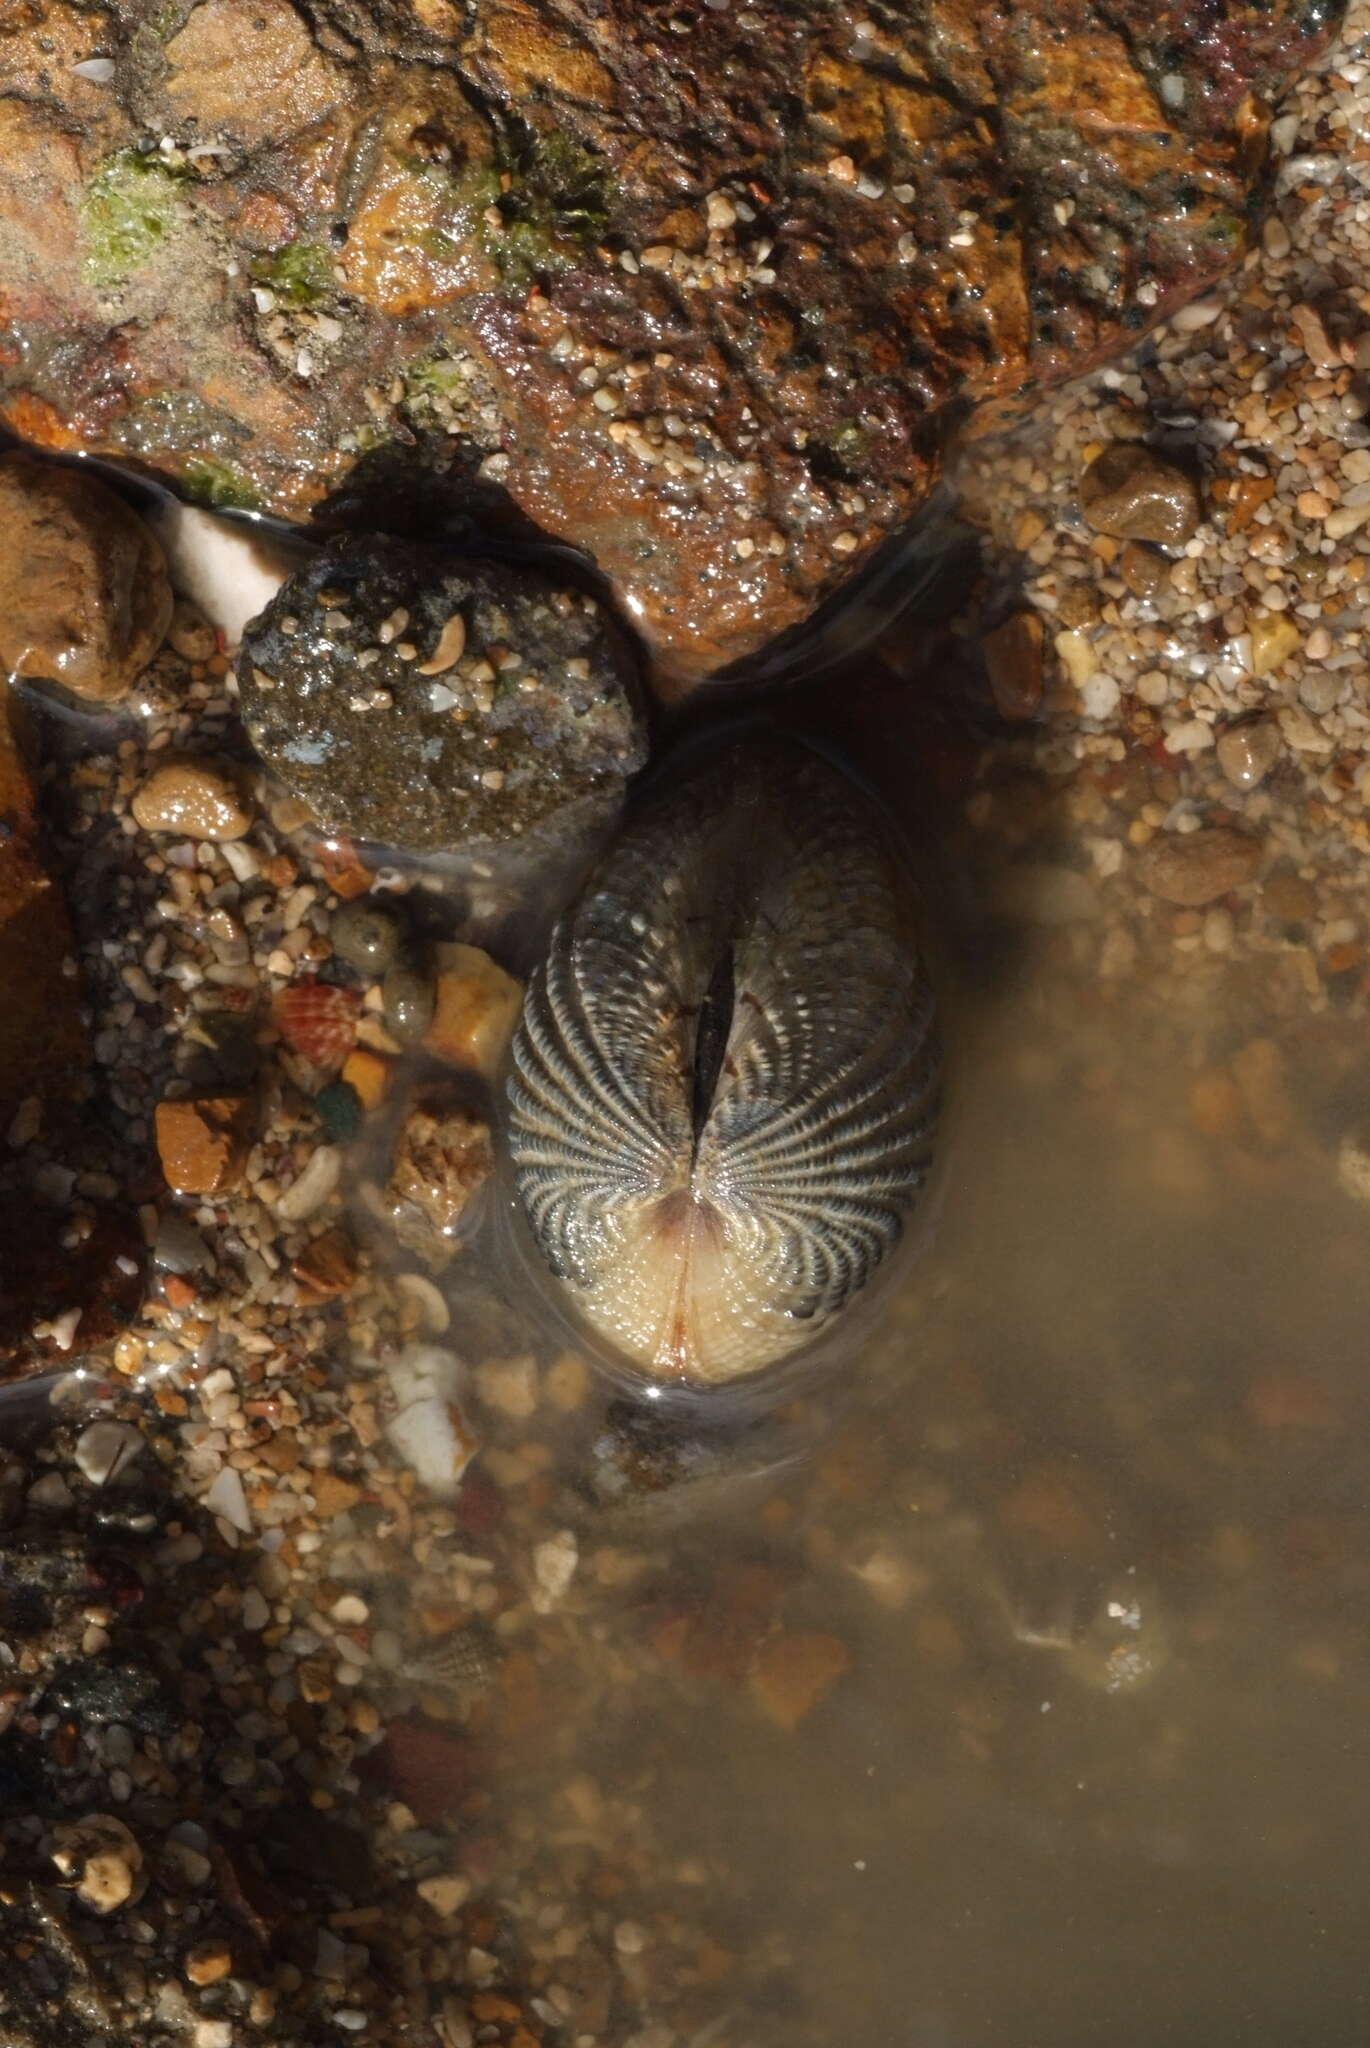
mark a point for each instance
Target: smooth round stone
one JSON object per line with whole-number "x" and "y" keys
{"x": 1195, "y": 869}
{"x": 1247, "y": 752}
{"x": 1133, "y": 493}
{"x": 408, "y": 996}
{"x": 367, "y": 937}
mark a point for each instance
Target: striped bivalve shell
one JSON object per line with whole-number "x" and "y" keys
{"x": 724, "y": 1084}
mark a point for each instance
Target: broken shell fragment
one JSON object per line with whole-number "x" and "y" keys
{"x": 449, "y": 650}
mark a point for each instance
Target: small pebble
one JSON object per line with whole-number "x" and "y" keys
{"x": 106, "y": 1449}
{"x": 102, "y": 1855}
{"x": 51, "y": 1492}
{"x": 1247, "y": 752}
{"x": 554, "y": 1567}
{"x": 190, "y": 634}
{"x": 509, "y": 1385}
{"x": 1099, "y": 696}
{"x": 1132, "y": 493}
{"x": 1353, "y": 1167}
{"x": 1275, "y": 238}
{"x": 202, "y": 1142}
{"x": 446, "y": 1894}
{"x": 306, "y": 1195}
{"x": 195, "y": 798}
{"x": 409, "y": 1001}
{"x": 1321, "y": 690}
{"x": 476, "y": 1008}
{"x": 256, "y": 1612}
{"x": 1013, "y": 662}
{"x": 367, "y": 937}
{"x": 208, "y": 1962}
{"x": 1193, "y": 869}
{"x": 226, "y": 1499}
{"x": 1274, "y": 637}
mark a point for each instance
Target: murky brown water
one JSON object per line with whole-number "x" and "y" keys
{"x": 1090, "y": 1529}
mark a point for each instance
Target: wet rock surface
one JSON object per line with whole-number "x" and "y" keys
{"x": 1200, "y": 867}
{"x": 697, "y": 288}
{"x": 195, "y": 798}
{"x": 443, "y": 1156}
{"x": 1132, "y": 493}
{"x": 84, "y": 595}
{"x": 423, "y": 700}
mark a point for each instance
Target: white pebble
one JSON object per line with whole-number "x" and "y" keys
{"x": 229, "y": 567}
{"x": 106, "y": 1449}
{"x": 226, "y": 1499}
{"x": 1191, "y": 736}
{"x": 1353, "y": 1169}
{"x": 554, "y": 1567}
{"x": 318, "y": 1181}
{"x": 423, "y": 1372}
{"x": 1099, "y": 695}
{"x": 433, "y": 1440}
{"x": 1276, "y": 238}
{"x": 1199, "y": 313}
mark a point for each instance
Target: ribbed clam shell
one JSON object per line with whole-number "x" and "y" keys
{"x": 465, "y": 1664}
{"x": 724, "y": 1084}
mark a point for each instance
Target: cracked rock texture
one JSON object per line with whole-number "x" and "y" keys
{"x": 699, "y": 288}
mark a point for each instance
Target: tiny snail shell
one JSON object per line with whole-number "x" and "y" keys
{"x": 723, "y": 1090}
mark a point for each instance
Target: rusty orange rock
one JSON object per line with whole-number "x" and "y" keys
{"x": 717, "y": 337}
{"x": 85, "y": 599}
{"x": 475, "y": 1011}
{"x": 203, "y": 1141}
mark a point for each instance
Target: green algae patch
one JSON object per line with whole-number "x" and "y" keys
{"x": 222, "y": 485}
{"x": 127, "y": 213}
{"x": 556, "y": 204}
{"x": 300, "y": 274}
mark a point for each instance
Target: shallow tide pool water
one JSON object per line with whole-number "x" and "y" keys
{"x": 1027, "y": 1700}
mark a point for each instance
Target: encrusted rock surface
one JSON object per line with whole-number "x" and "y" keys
{"x": 698, "y": 288}
{"x": 423, "y": 700}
